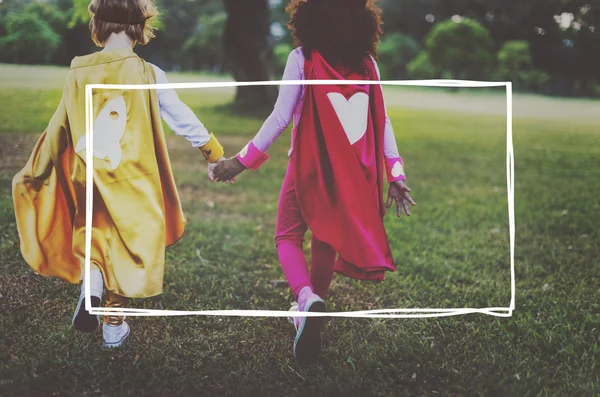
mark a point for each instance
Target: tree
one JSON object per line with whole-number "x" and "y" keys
{"x": 568, "y": 53}
{"x": 577, "y": 39}
{"x": 421, "y": 68}
{"x": 396, "y": 51}
{"x": 28, "y": 39}
{"x": 461, "y": 49}
{"x": 282, "y": 52}
{"x": 411, "y": 16}
{"x": 516, "y": 65}
{"x": 248, "y": 46}
{"x": 204, "y": 46}
{"x": 180, "y": 24}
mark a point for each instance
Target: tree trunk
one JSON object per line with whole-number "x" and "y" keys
{"x": 248, "y": 47}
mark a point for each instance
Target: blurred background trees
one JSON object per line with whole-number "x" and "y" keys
{"x": 549, "y": 46}
{"x": 248, "y": 45}
{"x": 514, "y": 63}
{"x": 396, "y": 51}
{"x": 460, "y": 48}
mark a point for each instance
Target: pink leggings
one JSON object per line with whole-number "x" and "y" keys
{"x": 289, "y": 239}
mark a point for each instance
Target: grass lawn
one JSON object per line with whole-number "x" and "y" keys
{"x": 453, "y": 252}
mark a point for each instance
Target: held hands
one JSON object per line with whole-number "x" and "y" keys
{"x": 211, "y": 170}
{"x": 399, "y": 192}
{"x": 226, "y": 170}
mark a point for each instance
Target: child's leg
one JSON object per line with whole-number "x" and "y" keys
{"x": 289, "y": 238}
{"x": 291, "y": 229}
{"x": 114, "y": 301}
{"x": 82, "y": 320}
{"x": 96, "y": 281}
{"x": 321, "y": 270}
{"x": 115, "y": 329}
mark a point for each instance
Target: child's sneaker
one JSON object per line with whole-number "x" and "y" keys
{"x": 115, "y": 335}
{"x": 295, "y": 321}
{"x": 307, "y": 344}
{"x": 82, "y": 320}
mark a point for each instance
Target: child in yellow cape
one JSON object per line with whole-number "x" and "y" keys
{"x": 137, "y": 211}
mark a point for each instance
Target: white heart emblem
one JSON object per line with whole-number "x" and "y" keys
{"x": 398, "y": 170}
{"x": 353, "y": 114}
{"x": 109, "y": 128}
{"x": 244, "y": 151}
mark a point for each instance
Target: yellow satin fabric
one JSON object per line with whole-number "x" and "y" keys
{"x": 137, "y": 211}
{"x": 115, "y": 301}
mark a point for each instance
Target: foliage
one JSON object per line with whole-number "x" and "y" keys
{"x": 204, "y": 46}
{"x": 567, "y": 53}
{"x": 80, "y": 14}
{"x": 515, "y": 64}
{"x": 396, "y": 51}
{"x": 29, "y": 38}
{"x": 463, "y": 49}
{"x": 181, "y": 22}
{"x": 281, "y": 51}
{"x": 421, "y": 68}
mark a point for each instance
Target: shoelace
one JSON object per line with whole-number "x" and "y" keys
{"x": 293, "y": 308}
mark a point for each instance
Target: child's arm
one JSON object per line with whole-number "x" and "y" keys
{"x": 394, "y": 165}
{"x": 183, "y": 122}
{"x": 281, "y": 117}
{"x": 254, "y": 154}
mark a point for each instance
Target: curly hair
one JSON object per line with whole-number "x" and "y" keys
{"x": 345, "y": 32}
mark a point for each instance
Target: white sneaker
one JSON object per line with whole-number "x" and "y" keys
{"x": 114, "y": 336}
{"x": 82, "y": 320}
{"x": 307, "y": 344}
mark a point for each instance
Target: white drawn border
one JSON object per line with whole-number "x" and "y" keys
{"x": 387, "y": 313}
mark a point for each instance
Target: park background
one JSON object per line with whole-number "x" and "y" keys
{"x": 453, "y": 251}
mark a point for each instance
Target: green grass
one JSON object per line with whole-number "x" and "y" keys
{"x": 453, "y": 252}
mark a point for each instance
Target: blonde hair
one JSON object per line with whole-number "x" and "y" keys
{"x": 134, "y": 17}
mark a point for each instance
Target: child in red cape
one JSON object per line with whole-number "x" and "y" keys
{"x": 342, "y": 145}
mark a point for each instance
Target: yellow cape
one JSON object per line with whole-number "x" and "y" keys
{"x": 137, "y": 211}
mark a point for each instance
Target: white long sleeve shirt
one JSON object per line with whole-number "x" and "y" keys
{"x": 178, "y": 116}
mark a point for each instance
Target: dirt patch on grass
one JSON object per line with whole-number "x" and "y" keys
{"x": 185, "y": 158}
{"x": 15, "y": 150}
{"x": 196, "y": 194}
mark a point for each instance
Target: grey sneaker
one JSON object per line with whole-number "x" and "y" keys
{"x": 307, "y": 344}
{"x": 114, "y": 336}
{"x": 82, "y": 320}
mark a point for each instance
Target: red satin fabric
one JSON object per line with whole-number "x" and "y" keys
{"x": 339, "y": 186}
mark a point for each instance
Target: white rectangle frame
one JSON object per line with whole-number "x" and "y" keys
{"x": 385, "y": 313}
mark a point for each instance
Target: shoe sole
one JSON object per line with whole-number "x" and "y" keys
{"x": 307, "y": 345}
{"x": 84, "y": 321}
{"x": 119, "y": 343}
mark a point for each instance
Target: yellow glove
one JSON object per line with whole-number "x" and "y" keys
{"x": 213, "y": 150}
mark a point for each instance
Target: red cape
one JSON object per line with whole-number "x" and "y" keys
{"x": 339, "y": 185}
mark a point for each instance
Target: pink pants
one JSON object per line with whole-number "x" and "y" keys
{"x": 289, "y": 240}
